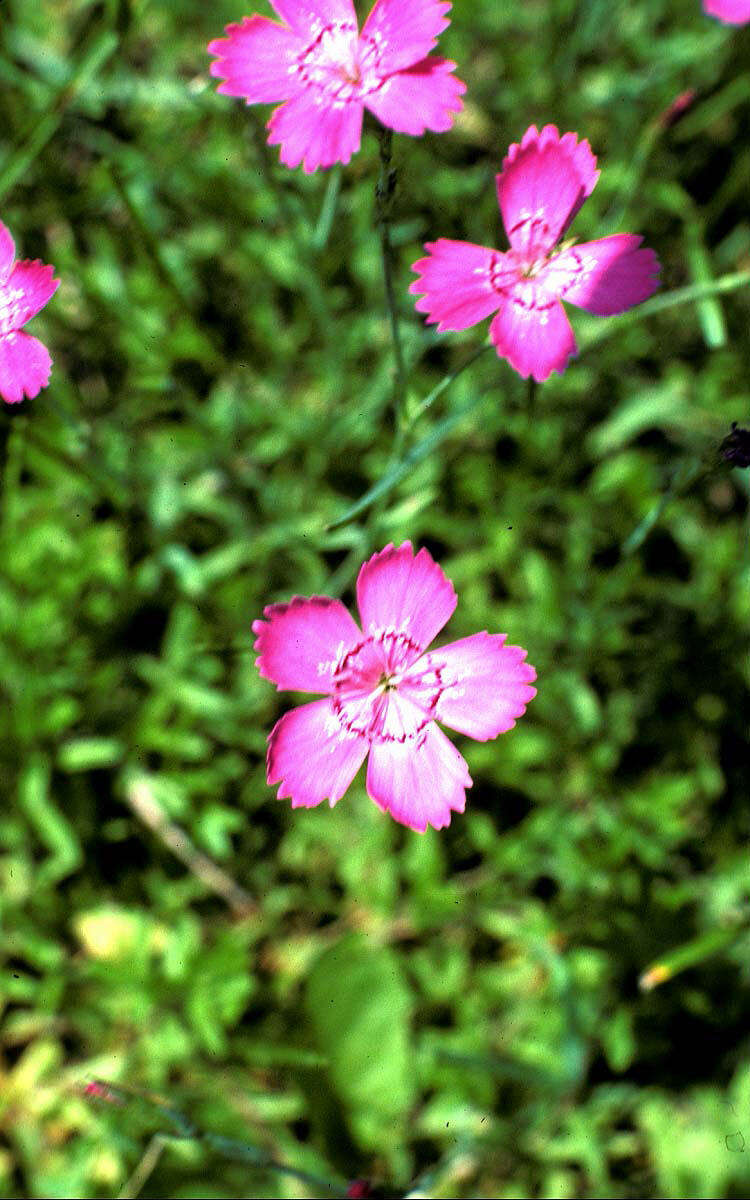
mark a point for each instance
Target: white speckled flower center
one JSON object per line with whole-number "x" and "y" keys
{"x": 381, "y": 693}
{"x": 535, "y": 280}
{"x": 13, "y": 308}
{"x": 340, "y": 64}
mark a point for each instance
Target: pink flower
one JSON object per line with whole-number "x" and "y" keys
{"x": 326, "y": 73}
{"x": 734, "y": 12}
{"x": 384, "y": 691}
{"x": 544, "y": 182}
{"x": 25, "y": 288}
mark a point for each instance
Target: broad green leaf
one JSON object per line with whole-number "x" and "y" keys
{"x": 360, "y": 1008}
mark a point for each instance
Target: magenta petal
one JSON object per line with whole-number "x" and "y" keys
{"x": 734, "y": 12}
{"x": 544, "y": 181}
{"x": 456, "y": 282}
{"x": 254, "y": 60}
{"x": 314, "y": 134}
{"x": 535, "y": 340}
{"x": 7, "y": 252}
{"x": 25, "y": 367}
{"x": 409, "y": 593}
{"x": 419, "y": 784}
{"x": 406, "y": 30}
{"x": 487, "y": 684}
{"x": 425, "y": 96}
{"x": 608, "y": 276}
{"x": 312, "y": 756}
{"x": 27, "y": 289}
{"x": 307, "y": 17}
{"x": 300, "y": 644}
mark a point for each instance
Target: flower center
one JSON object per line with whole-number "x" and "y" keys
{"x": 530, "y": 270}
{"x": 381, "y": 693}
{"x": 340, "y": 63}
{"x": 536, "y": 278}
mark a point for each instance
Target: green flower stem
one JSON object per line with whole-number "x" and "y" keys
{"x": 686, "y": 474}
{"x": 183, "y": 1129}
{"x": 401, "y": 468}
{"x": 384, "y": 191}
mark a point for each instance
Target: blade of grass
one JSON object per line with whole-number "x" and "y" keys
{"x": 688, "y": 955}
{"x": 209, "y": 347}
{"x": 18, "y": 163}
{"x": 685, "y": 295}
{"x": 710, "y": 313}
{"x": 322, "y": 230}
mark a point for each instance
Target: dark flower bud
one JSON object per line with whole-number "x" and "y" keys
{"x": 735, "y": 448}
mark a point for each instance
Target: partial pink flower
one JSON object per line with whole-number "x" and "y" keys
{"x": 733, "y": 12}
{"x": 543, "y": 183}
{"x": 384, "y": 691}
{"x": 325, "y": 73}
{"x": 25, "y": 288}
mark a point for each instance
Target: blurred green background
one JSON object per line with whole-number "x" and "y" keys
{"x": 458, "y": 1011}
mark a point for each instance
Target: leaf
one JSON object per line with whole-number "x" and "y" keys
{"x": 360, "y": 1007}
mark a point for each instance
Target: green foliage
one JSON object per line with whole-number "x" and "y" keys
{"x": 359, "y": 1007}
{"x": 458, "y": 1010}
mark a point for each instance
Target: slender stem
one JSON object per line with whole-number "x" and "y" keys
{"x": 185, "y": 1130}
{"x": 144, "y": 804}
{"x": 384, "y": 192}
{"x": 145, "y": 1168}
{"x": 402, "y": 464}
{"x": 685, "y": 476}
{"x": 531, "y": 387}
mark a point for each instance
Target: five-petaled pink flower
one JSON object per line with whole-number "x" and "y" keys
{"x": 25, "y": 288}
{"x": 734, "y": 12}
{"x": 384, "y": 691}
{"x": 327, "y": 73}
{"x": 543, "y": 183}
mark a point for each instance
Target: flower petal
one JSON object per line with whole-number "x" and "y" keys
{"x": 406, "y": 30}
{"x": 543, "y": 183}
{"x": 7, "y": 252}
{"x": 487, "y": 684}
{"x": 308, "y": 17}
{"x": 424, "y": 96}
{"x": 419, "y": 784}
{"x": 312, "y": 756}
{"x": 409, "y": 593}
{"x": 535, "y": 340}
{"x": 255, "y": 59}
{"x": 734, "y": 12}
{"x": 27, "y": 289}
{"x": 456, "y": 280}
{"x": 300, "y": 643}
{"x": 607, "y": 276}
{"x": 313, "y": 134}
{"x": 25, "y": 367}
